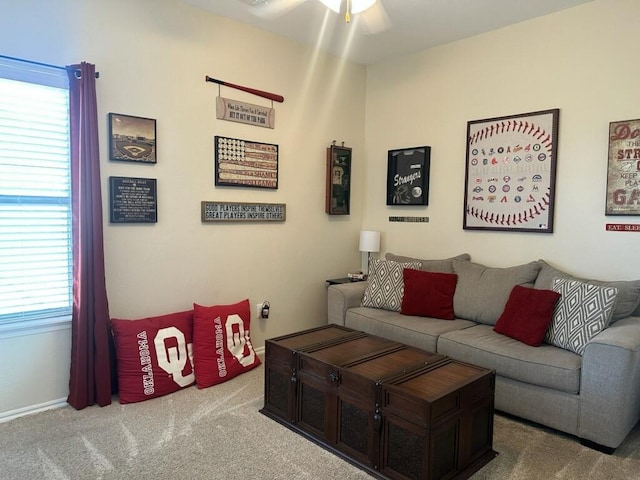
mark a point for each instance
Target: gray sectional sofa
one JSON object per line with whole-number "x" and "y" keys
{"x": 594, "y": 396}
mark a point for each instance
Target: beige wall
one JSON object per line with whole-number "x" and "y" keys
{"x": 153, "y": 56}
{"x": 583, "y": 61}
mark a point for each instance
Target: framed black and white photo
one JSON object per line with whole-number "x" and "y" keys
{"x": 510, "y": 172}
{"x": 132, "y": 139}
{"x": 408, "y": 176}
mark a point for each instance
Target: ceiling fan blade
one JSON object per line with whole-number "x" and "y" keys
{"x": 375, "y": 19}
{"x": 274, "y": 8}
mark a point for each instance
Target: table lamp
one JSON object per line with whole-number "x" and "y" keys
{"x": 369, "y": 242}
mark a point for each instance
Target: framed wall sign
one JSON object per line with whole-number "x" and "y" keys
{"x": 623, "y": 169}
{"x": 132, "y": 139}
{"x": 510, "y": 172}
{"x": 338, "y": 193}
{"x": 243, "y": 163}
{"x": 133, "y": 200}
{"x": 408, "y": 176}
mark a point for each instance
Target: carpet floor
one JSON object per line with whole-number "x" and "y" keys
{"x": 218, "y": 433}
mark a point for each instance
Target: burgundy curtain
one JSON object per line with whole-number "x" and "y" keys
{"x": 90, "y": 380}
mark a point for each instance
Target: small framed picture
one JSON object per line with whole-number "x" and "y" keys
{"x": 338, "y": 193}
{"x": 132, "y": 139}
{"x": 408, "y": 176}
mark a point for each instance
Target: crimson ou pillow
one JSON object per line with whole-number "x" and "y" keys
{"x": 222, "y": 346}
{"x": 155, "y": 355}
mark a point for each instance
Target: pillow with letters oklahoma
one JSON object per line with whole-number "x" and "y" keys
{"x": 154, "y": 355}
{"x": 222, "y": 346}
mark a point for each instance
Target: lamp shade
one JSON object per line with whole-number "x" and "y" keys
{"x": 369, "y": 241}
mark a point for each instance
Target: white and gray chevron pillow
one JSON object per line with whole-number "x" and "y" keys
{"x": 385, "y": 287}
{"x": 583, "y": 311}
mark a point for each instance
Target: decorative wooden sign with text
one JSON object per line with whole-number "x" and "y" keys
{"x": 242, "y": 212}
{"x": 623, "y": 172}
{"x": 622, "y": 227}
{"x": 242, "y": 112}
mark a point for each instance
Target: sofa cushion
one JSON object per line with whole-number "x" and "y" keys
{"x": 444, "y": 265}
{"x": 628, "y": 291}
{"x": 385, "y": 284}
{"x": 428, "y": 294}
{"x": 222, "y": 346}
{"x": 482, "y": 292}
{"x": 419, "y": 332}
{"x": 584, "y": 310}
{"x": 154, "y": 355}
{"x": 545, "y": 366}
{"x": 527, "y": 315}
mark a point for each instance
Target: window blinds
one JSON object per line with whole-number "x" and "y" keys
{"x": 35, "y": 192}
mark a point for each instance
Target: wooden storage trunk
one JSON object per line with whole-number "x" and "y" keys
{"x": 394, "y": 410}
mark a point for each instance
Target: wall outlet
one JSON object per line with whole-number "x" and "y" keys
{"x": 259, "y": 309}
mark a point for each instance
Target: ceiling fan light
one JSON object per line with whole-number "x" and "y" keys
{"x": 333, "y": 4}
{"x": 358, "y": 6}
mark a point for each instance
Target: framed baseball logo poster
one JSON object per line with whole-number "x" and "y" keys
{"x": 623, "y": 170}
{"x": 510, "y": 172}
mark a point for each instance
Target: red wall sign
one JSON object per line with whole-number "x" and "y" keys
{"x": 623, "y": 227}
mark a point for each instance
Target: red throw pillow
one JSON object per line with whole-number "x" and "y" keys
{"x": 428, "y": 294}
{"x": 527, "y": 314}
{"x": 154, "y": 355}
{"x": 222, "y": 348}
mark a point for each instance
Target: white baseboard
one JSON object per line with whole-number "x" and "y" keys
{"x": 20, "y": 412}
{"x": 61, "y": 402}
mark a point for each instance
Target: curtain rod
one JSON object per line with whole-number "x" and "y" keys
{"x": 57, "y": 67}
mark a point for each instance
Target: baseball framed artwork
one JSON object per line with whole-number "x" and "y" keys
{"x": 132, "y": 139}
{"x": 510, "y": 172}
{"x": 245, "y": 163}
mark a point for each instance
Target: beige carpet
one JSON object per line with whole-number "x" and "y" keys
{"x": 218, "y": 433}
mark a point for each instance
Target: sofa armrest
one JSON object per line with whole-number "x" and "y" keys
{"x": 610, "y": 384}
{"x": 342, "y": 297}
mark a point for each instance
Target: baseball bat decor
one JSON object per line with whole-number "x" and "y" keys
{"x": 259, "y": 93}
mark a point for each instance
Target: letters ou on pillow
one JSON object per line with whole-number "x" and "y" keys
{"x": 154, "y": 355}
{"x": 222, "y": 347}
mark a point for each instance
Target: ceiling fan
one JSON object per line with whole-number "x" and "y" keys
{"x": 371, "y": 14}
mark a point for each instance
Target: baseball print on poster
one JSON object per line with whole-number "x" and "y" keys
{"x": 243, "y": 163}
{"x": 623, "y": 171}
{"x": 510, "y": 172}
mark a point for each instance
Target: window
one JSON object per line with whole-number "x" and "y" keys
{"x": 35, "y": 196}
